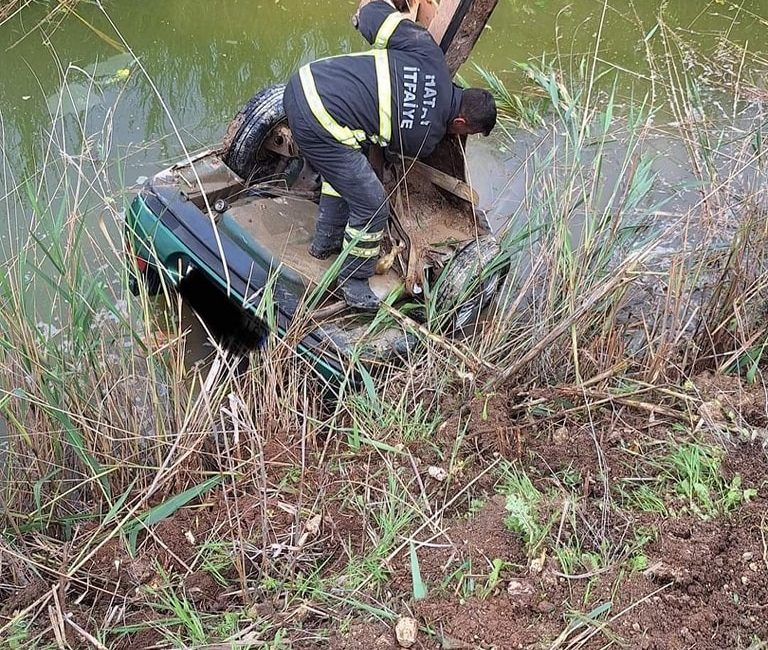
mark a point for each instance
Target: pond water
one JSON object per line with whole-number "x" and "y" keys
{"x": 141, "y": 80}
{"x": 203, "y": 60}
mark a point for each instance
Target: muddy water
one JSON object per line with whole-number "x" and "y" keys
{"x": 204, "y": 59}
{"x": 143, "y": 77}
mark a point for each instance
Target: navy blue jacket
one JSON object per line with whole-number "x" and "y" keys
{"x": 425, "y": 100}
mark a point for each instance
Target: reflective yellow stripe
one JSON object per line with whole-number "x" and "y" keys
{"x": 354, "y": 236}
{"x": 364, "y": 252}
{"x": 385, "y": 96}
{"x": 362, "y": 235}
{"x": 328, "y": 190}
{"x": 343, "y": 134}
{"x": 388, "y": 28}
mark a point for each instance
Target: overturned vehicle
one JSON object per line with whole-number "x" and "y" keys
{"x": 242, "y": 217}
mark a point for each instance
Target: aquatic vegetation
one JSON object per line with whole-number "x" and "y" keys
{"x": 544, "y": 453}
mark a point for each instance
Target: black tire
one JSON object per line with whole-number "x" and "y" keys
{"x": 249, "y": 130}
{"x": 467, "y": 284}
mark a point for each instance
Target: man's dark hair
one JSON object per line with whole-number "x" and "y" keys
{"x": 478, "y": 108}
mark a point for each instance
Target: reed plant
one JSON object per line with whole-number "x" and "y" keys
{"x": 307, "y": 496}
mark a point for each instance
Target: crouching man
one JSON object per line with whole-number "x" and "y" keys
{"x": 399, "y": 95}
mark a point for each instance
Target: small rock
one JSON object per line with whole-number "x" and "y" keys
{"x": 744, "y": 580}
{"x": 664, "y": 572}
{"x": 514, "y": 587}
{"x": 545, "y": 607}
{"x": 313, "y": 525}
{"x": 753, "y": 566}
{"x": 518, "y": 588}
{"x": 437, "y": 473}
{"x": 747, "y": 556}
{"x": 406, "y": 631}
{"x": 561, "y": 437}
{"x": 537, "y": 565}
{"x": 636, "y": 627}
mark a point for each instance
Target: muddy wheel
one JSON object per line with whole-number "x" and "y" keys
{"x": 244, "y": 151}
{"x": 468, "y": 283}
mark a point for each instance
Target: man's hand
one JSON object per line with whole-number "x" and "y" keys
{"x": 410, "y": 7}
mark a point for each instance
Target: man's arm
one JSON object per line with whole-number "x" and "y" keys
{"x": 383, "y": 25}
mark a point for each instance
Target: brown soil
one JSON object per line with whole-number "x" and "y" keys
{"x": 148, "y": 637}
{"x": 707, "y": 581}
{"x": 365, "y": 636}
{"x": 705, "y": 586}
{"x": 430, "y": 215}
{"x": 23, "y": 598}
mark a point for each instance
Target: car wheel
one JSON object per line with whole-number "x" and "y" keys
{"x": 468, "y": 283}
{"x": 244, "y": 151}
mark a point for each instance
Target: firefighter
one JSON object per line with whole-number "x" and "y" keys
{"x": 399, "y": 95}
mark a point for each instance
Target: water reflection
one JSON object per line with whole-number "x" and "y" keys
{"x": 204, "y": 60}
{"x": 204, "y": 64}
{"x": 207, "y": 59}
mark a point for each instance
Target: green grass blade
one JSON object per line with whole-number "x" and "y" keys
{"x": 419, "y": 588}
{"x": 117, "y": 505}
{"x": 166, "y": 509}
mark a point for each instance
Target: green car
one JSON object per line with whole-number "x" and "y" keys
{"x": 240, "y": 218}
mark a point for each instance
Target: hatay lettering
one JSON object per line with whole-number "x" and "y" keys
{"x": 414, "y": 110}
{"x": 430, "y": 98}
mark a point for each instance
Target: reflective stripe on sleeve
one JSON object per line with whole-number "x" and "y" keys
{"x": 388, "y": 28}
{"x": 343, "y": 134}
{"x": 328, "y": 190}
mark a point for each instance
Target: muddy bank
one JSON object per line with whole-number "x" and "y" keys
{"x": 695, "y": 580}
{"x": 318, "y": 552}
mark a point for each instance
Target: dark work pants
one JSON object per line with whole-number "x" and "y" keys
{"x": 348, "y": 171}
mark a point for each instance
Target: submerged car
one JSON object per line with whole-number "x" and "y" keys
{"x": 242, "y": 216}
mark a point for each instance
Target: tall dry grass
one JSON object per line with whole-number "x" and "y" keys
{"x": 110, "y": 432}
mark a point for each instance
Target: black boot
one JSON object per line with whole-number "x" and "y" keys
{"x": 329, "y": 232}
{"x": 322, "y": 247}
{"x": 358, "y": 295}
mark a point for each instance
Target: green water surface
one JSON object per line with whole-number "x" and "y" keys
{"x": 202, "y": 60}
